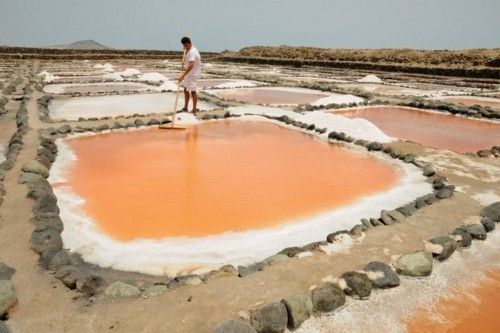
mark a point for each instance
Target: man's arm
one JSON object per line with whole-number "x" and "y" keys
{"x": 188, "y": 69}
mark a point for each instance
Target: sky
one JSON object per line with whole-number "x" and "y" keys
{"x": 216, "y": 25}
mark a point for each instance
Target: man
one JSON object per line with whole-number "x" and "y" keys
{"x": 192, "y": 71}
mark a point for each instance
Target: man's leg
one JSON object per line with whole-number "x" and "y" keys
{"x": 195, "y": 100}
{"x": 186, "y": 99}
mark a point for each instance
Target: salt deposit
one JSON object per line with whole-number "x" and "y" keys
{"x": 358, "y": 128}
{"x": 370, "y": 79}
{"x": 107, "y": 67}
{"x": 197, "y": 254}
{"x": 48, "y": 77}
{"x": 116, "y": 76}
{"x": 130, "y": 72}
{"x": 116, "y": 105}
{"x": 153, "y": 77}
{"x": 59, "y": 88}
{"x": 236, "y": 84}
{"x": 167, "y": 86}
{"x": 339, "y": 99}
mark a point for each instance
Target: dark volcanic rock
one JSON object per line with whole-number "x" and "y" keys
{"x": 44, "y": 239}
{"x": 331, "y": 237}
{"x": 448, "y": 244}
{"x": 358, "y": 284}
{"x": 269, "y": 318}
{"x": 6, "y": 272}
{"x": 327, "y": 297}
{"x": 53, "y": 259}
{"x": 46, "y": 203}
{"x": 234, "y": 326}
{"x": 299, "y": 309}
{"x": 477, "y": 231}
{"x": 374, "y": 146}
{"x": 489, "y": 224}
{"x": 492, "y": 211}
{"x": 466, "y": 237}
{"x": 388, "y": 278}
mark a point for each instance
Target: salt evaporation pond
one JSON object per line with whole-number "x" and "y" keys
{"x": 432, "y": 129}
{"x": 493, "y": 103}
{"x": 222, "y": 192}
{"x": 284, "y": 96}
{"x": 103, "y": 106}
{"x": 100, "y": 87}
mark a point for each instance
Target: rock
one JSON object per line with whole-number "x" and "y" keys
{"x": 366, "y": 223}
{"x": 6, "y": 272}
{"x": 396, "y": 216}
{"x": 327, "y": 297}
{"x": 234, "y": 326}
{"x": 37, "y": 187}
{"x": 269, "y": 318}
{"x": 89, "y": 285}
{"x": 48, "y": 220}
{"x": 120, "y": 289}
{"x": 477, "y": 231}
{"x": 139, "y": 122}
{"x": 44, "y": 161}
{"x": 184, "y": 280}
{"x": 409, "y": 158}
{"x": 220, "y": 273}
{"x": 465, "y": 237}
{"x": 314, "y": 246}
{"x": 68, "y": 275}
{"x": 246, "y": 270}
{"x": 374, "y": 146}
{"x": 64, "y": 129}
{"x": 489, "y": 224}
{"x": 445, "y": 192}
{"x": 387, "y": 277}
{"x": 484, "y": 153}
{"x": 431, "y": 199}
{"x": 35, "y": 167}
{"x": 357, "y": 230}
{"x": 28, "y": 177}
{"x": 333, "y": 236}
{"x": 274, "y": 259}
{"x": 299, "y": 309}
{"x": 415, "y": 264}
{"x": 54, "y": 259}
{"x": 116, "y": 125}
{"x": 103, "y": 127}
{"x": 45, "y": 239}
{"x": 8, "y": 296}
{"x": 449, "y": 245}
{"x": 49, "y": 144}
{"x": 46, "y": 203}
{"x": 156, "y": 290}
{"x": 420, "y": 203}
{"x": 153, "y": 122}
{"x": 492, "y": 211}
{"x": 4, "y": 328}
{"x": 358, "y": 284}
{"x": 375, "y": 222}
{"x": 292, "y": 251}
{"x": 42, "y": 151}
{"x": 429, "y": 171}
{"x": 386, "y": 218}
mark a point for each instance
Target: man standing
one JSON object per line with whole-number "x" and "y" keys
{"x": 189, "y": 77}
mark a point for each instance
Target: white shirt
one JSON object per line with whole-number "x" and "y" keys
{"x": 193, "y": 55}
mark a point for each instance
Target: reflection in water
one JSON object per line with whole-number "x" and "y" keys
{"x": 214, "y": 178}
{"x": 431, "y": 129}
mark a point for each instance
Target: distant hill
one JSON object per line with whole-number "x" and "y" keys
{"x": 88, "y": 44}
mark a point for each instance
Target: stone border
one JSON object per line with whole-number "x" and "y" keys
{"x": 47, "y": 242}
{"x": 292, "y": 310}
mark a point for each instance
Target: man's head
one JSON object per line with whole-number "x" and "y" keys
{"x": 186, "y": 43}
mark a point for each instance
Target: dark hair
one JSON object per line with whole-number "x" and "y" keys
{"x": 185, "y": 40}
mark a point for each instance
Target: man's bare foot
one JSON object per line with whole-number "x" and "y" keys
{"x": 195, "y": 111}
{"x": 184, "y": 109}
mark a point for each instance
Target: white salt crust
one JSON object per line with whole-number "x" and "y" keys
{"x": 181, "y": 255}
{"x": 388, "y": 310}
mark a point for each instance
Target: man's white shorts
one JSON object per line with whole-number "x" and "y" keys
{"x": 190, "y": 83}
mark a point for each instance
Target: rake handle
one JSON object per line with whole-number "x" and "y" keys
{"x": 178, "y": 90}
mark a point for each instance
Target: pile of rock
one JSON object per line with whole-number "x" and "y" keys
{"x": 493, "y": 152}
{"x": 331, "y": 293}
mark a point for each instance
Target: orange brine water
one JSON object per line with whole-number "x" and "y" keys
{"x": 214, "y": 178}
{"x": 431, "y": 129}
